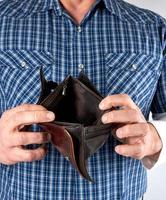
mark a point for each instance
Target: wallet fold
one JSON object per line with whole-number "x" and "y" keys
{"x": 77, "y": 132}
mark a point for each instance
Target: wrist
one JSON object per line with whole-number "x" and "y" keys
{"x": 157, "y": 144}
{"x": 151, "y": 159}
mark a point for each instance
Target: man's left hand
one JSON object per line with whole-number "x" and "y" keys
{"x": 140, "y": 138}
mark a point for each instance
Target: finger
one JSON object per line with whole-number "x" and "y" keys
{"x": 22, "y": 155}
{"x": 26, "y": 138}
{"x": 30, "y": 117}
{"x": 133, "y": 130}
{"x": 136, "y": 151}
{"x": 21, "y": 108}
{"x": 123, "y": 116}
{"x": 132, "y": 140}
{"x": 117, "y": 100}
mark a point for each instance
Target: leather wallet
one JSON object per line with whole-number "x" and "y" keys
{"x": 77, "y": 132}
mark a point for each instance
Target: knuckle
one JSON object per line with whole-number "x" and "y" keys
{"x": 139, "y": 153}
{"x": 11, "y": 160}
{"x": 8, "y": 158}
{"x": 41, "y": 153}
{"x": 29, "y": 156}
{"x": 137, "y": 156}
{"x": 25, "y": 106}
{"x": 4, "y": 127}
{"x": 8, "y": 162}
{"x": 38, "y": 116}
{"x": 146, "y": 128}
{"x": 35, "y": 116}
{"x": 111, "y": 115}
{"x": 30, "y": 106}
{"x": 108, "y": 97}
{"x": 6, "y": 143}
{"x": 35, "y": 155}
{"x": 134, "y": 114}
{"x": 40, "y": 107}
{"x": 40, "y": 137}
{"x": 5, "y": 114}
{"x": 21, "y": 139}
{"x": 125, "y": 97}
{"x": 17, "y": 116}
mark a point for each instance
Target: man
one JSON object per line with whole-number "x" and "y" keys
{"x": 122, "y": 49}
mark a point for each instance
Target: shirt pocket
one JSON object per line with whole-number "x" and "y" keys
{"x": 20, "y": 71}
{"x": 135, "y": 74}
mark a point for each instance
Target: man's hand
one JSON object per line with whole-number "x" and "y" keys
{"x": 140, "y": 137}
{"x": 12, "y": 139}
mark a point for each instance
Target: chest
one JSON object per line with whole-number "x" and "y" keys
{"x": 117, "y": 56}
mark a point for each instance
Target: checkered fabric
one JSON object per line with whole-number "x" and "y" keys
{"x": 122, "y": 50}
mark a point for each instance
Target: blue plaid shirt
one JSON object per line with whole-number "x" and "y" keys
{"x": 122, "y": 50}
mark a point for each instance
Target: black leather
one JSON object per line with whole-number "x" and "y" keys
{"x": 78, "y": 131}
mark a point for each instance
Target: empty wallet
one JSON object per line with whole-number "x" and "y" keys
{"x": 77, "y": 132}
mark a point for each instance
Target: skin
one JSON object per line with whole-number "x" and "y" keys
{"x": 77, "y": 9}
{"x": 140, "y": 137}
{"x": 12, "y": 139}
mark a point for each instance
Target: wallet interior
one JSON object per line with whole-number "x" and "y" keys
{"x": 69, "y": 104}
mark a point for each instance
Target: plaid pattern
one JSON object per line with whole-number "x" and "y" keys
{"x": 122, "y": 48}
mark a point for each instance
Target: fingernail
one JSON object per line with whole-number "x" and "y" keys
{"x": 117, "y": 149}
{"x": 101, "y": 105}
{"x": 105, "y": 118}
{"x": 119, "y": 134}
{"x": 50, "y": 115}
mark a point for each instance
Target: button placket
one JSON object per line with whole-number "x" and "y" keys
{"x": 79, "y": 29}
{"x": 80, "y": 62}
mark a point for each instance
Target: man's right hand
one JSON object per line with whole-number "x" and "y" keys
{"x": 12, "y": 139}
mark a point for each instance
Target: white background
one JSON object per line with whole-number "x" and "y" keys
{"x": 158, "y": 6}
{"x": 156, "y": 177}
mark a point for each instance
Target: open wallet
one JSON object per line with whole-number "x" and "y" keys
{"x": 77, "y": 132}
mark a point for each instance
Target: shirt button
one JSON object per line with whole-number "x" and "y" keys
{"x": 67, "y": 158}
{"x": 24, "y": 65}
{"x": 134, "y": 66}
{"x": 79, "y": 29}
{"x": 81, "y": 67}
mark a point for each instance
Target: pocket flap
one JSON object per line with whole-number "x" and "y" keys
{"x": 24, "y": 59}
{"x": 133, "y": 61}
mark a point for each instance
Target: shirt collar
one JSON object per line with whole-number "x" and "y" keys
{"x": 23, "y": 8}
{"x": 114, "y": 6}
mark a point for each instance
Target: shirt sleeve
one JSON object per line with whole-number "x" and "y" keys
{"x": 159, "y": 101}
{"x": 158, "y": 108}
